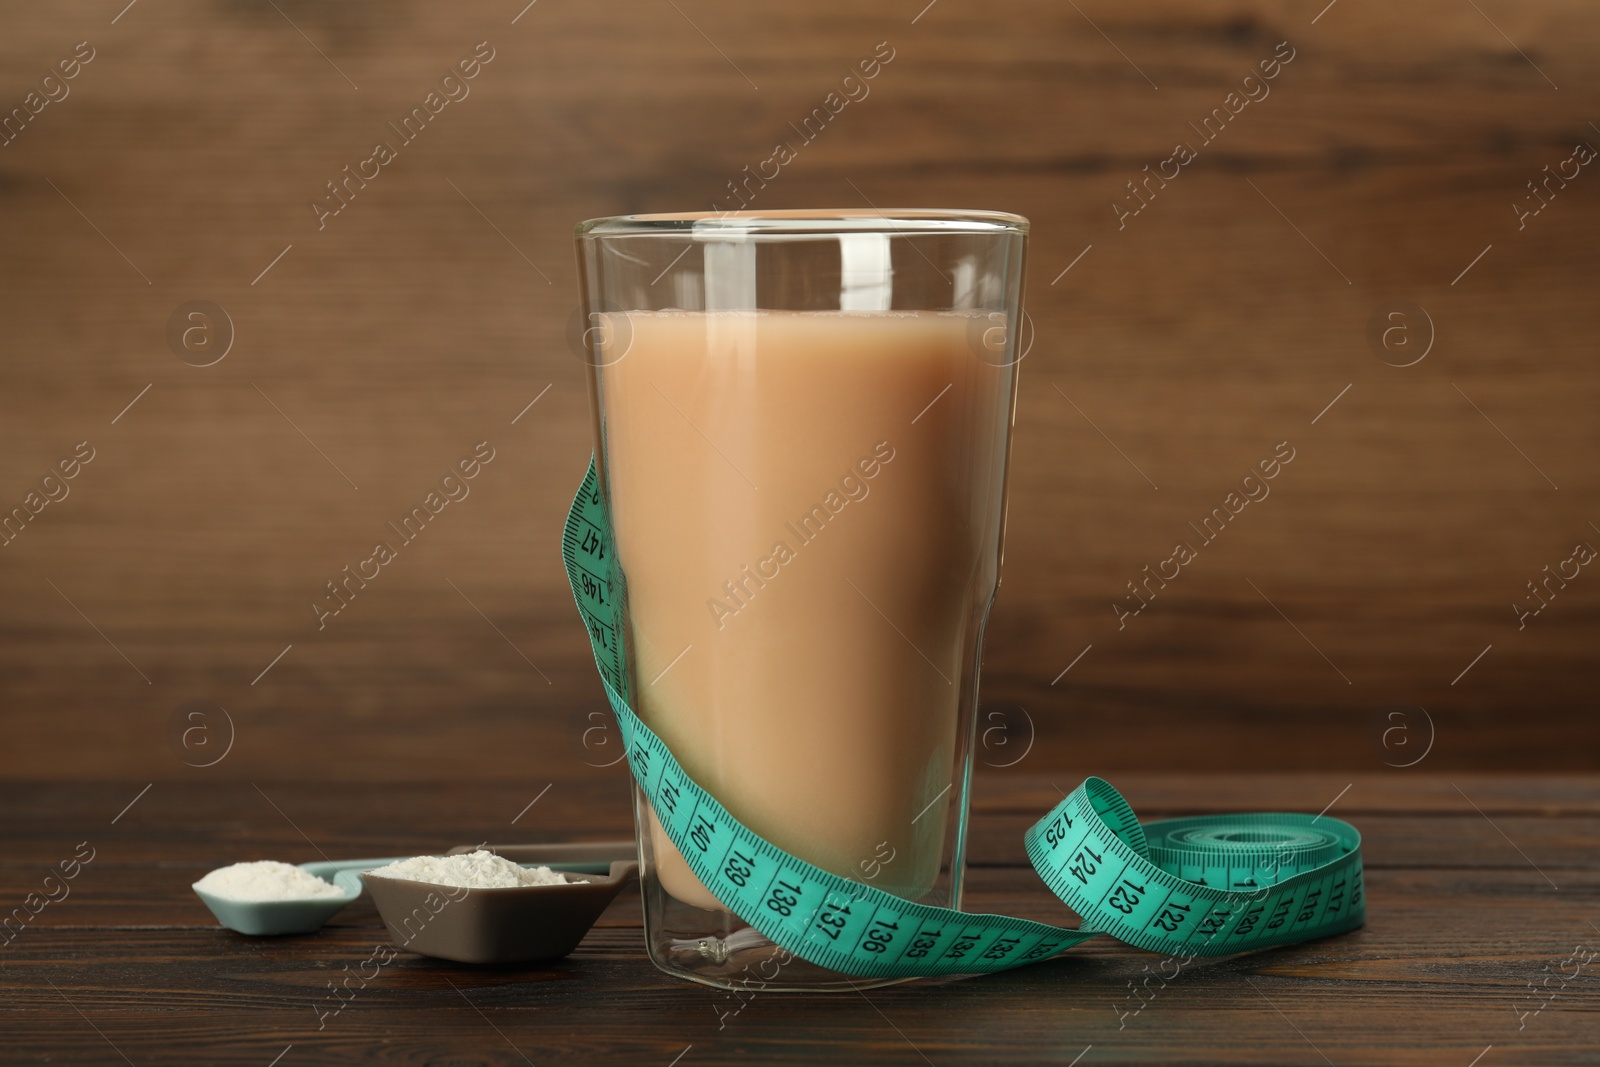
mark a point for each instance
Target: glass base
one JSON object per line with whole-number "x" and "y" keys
{"x": 741, "y": 962}
{"x": 718, "y": 949}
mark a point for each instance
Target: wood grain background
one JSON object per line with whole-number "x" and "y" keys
{"x": 425, "y": 317}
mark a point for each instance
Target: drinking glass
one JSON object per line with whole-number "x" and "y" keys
{"x": 803, "y": 422}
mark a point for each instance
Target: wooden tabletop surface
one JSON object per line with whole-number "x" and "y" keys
{"x": 1479, "y": 949}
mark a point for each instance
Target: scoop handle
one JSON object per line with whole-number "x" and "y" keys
{"x": 346, "y": 874}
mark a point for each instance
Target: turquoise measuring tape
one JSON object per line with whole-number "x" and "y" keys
{"x": 1208, "y": 886}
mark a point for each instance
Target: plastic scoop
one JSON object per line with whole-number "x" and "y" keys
{"x": 307, "y": 915}
{"x": 514, "y": 924}
{"x": 301, "y": 916}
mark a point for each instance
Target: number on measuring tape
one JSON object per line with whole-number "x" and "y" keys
{"x": 1002, "y": 947}
{"x": 830, "y": 921}
{"x": 1047, "y": 947}
{"x": 783, "y": 898}
{"x": 1336, "y": 897}
{"x": 701, "y": 834}
{"x": 1213, "y": 923}
{"x": 667, "y": 797}
{"x": 1171, "y": 916}
{"x": 1084, "y": 863}
{"x": 738, "y": 868}
{"x": 963, "y": 945}
{"x": 1125, "y": 896}
{"x": 922, "y": 943}
{"x": 1057, "y": 831}
{"x": 1247, "y": 923}
{"x": 879, "y": 936}
{"x": 1308, "y": 908}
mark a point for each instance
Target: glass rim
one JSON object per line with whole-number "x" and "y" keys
{"x": 804, "y": 222}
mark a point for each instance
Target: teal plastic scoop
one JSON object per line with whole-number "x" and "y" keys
{"x": 304, "y": 916}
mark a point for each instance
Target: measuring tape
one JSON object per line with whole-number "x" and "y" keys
{"x": 1208, "y": 886}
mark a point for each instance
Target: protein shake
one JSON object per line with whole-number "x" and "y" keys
{"x": 806, "y": 507}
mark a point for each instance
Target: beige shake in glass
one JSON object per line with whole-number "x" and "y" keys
{"x": 803, "y": 422}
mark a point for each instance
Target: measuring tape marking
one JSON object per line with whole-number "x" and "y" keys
{"x": 1308, "y": 886}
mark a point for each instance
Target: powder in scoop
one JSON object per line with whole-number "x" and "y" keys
{"x": 265, "y": 880}
{"x": 472, "y": 870}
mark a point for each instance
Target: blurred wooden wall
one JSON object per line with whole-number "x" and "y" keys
{"x": 1177, "y": 351}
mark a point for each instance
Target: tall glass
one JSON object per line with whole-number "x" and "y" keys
{"x": 803, "y": 422}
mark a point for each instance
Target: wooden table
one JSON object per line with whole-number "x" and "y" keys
{"x": 370, "y": 354}
{"x": 1482, "y": 895}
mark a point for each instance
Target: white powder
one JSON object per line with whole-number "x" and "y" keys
{"x": 471, "y": 870}
{"x": 266, "y": 880}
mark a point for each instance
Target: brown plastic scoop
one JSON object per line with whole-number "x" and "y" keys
{"x": 508, "y": 925}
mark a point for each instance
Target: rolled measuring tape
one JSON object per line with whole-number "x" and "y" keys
{"x": 1207, "y": 886}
